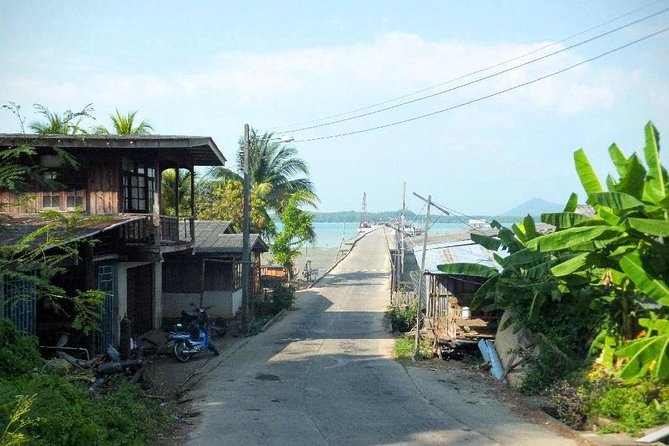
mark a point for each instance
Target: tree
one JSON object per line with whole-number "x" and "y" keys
{"x": 56, "y": 124}
{"x": 297, "y": 229}
{"x": 224, "y": 201}
{"x": 125, "y": 125}
{"x": 617, "y": 260}
{"x": 168, "y": 192}
{"x": 275, "y": 164}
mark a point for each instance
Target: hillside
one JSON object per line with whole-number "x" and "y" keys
{"x": 534, "y": 207}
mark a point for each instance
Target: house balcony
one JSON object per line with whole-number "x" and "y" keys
{"x": 140, "y": 235}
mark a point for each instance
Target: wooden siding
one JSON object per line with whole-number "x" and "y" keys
{"x": 33, "y": 202}
{"x": 104, "y": 188}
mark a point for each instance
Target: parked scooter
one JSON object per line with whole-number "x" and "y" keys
{"x": 195, "y": 338}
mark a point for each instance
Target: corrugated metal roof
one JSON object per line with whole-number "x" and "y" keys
{"x": 465, "y": 251}
{"x": 215, "y": 237}
{"x": 204, "y": 150}
{"x": 14, "y": 228}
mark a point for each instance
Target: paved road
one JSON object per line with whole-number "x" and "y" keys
{"x": 324, "y": 375}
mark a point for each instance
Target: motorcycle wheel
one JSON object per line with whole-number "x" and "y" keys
{"x": 213, "y": 348}
{"x": 180, "y": 351}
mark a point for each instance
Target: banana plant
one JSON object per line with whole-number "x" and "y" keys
{"x": 622, "y": 248}
{"x": 521, "y": 279}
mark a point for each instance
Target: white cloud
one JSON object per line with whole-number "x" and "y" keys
{"x": 388, "y": 66}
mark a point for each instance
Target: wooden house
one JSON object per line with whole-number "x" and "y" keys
{"x": 117, "y": 185}
{"x": 212, "y": 273}
{"x": 449, "y": 318}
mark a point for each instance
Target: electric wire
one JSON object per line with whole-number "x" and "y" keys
{"x": 481, "y": 79}
{"x": 482, "y": 98}
{"x": 481, "y": 70}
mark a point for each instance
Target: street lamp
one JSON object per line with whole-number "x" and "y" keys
{"x": 246, "y": 228}
{"x": 246, "y": 225}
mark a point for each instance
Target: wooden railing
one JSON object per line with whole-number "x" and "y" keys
{"x": 173, "y": 230}
{"x": 177, "y": 229}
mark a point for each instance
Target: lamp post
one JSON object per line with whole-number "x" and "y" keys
{"x": 246, "y": 225}
{"x": 246, "y": 229}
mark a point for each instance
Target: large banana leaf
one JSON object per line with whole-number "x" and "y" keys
{"x": 522, "y": 257}
{"x": 570, "y": 237}
{"x": 572, "y": 265}
{"x": 487, "y": 242}
{"x": 618, "y": 201}
{"x": 656, "y": 289}
{"x": 468, "y": 269}
{"x": 608, "y": 216}
{"x": 649, "y": 354}
{"x": 586, "y": 173}
{"x": 633, "y": 182}
{"x": 482, "y": 293}
{"x": 572, "y": 203}
{"x": 618, "y": 158}
{"x": 564, "y": 220}
{"x": 655, "y": 180}
{"x": 649, "y": 226}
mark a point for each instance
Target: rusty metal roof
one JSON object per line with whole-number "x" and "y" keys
{"x": 14, "y": 228}
{"x": 464, "y": 251}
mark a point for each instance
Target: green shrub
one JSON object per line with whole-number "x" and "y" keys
{"x": 630, "y": 407}
{"x": 283, "y": 297}
{"x": 18, "y": 353}
{"x": 402, "y": 317}
{"x": 61, "y": 409}
{"x": 69, "y": 414}
{"x": 570, "y": 405}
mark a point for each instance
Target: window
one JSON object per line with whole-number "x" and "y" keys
{"x": 75, "y": 199}
{"x": 51, "y": 200}
{"x": 63, "y": 200}
{"x": 139, "y": 182}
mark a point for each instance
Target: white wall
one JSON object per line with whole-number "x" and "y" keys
{"x": 225, "y": 303}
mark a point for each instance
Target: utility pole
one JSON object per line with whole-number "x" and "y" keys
{"x": 246, "y": 251}
{"x": 421, "y": 280}
{"x": 402, "y": 227}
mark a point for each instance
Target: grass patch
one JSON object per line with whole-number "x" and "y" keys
{"x": 405, "y": 346}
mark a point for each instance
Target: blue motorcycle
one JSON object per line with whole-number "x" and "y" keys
{"x": 195, "y": 338}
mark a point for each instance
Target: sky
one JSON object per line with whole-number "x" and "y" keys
{"x": 481, "y": 144}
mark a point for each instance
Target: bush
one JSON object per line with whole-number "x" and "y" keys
{"x": 282, "y": 297}
{"x": 18, "y": 353}
{"x": 630, "y": 408}
{"x": 402, "y": 317}
{"x": 61, "y": 410}
{"x": 570, "y": 406}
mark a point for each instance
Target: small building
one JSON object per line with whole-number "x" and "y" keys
{"x": 117, "y": 186}
{"x": 449, "y": 318}
{"x": 211, "y": 274}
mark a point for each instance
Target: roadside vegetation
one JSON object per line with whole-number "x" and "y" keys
{"x": 593, "y": 295}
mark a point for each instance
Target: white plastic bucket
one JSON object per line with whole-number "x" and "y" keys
{"x": 466, "y": 314}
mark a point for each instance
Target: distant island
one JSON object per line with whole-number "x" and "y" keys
{"x": 534, "y": 207}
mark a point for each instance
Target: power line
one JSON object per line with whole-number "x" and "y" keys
{"x": 482, "y": 98}
{"x": 490, "y": 76}
{"x": 481, "y": 70}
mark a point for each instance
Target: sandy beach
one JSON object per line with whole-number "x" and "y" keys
{"x": 321, "y": 259}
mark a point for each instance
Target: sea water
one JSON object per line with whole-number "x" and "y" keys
{"x": 331, "y": 234}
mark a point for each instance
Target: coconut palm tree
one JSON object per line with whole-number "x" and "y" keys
{"x": 125, "y": 125}
{"x": 276, "y": 165}
{"x": 57, "y": 124}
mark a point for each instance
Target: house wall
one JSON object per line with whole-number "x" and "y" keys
{"x": 122, "y": 288}
{"x": 225, "y": 303}
{"x": 103, "y": 187}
